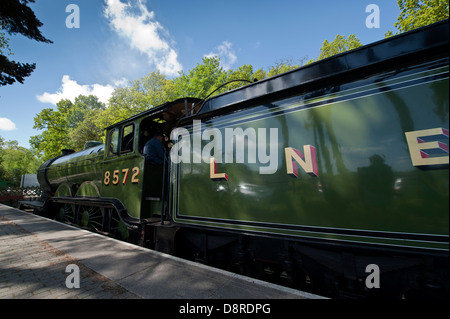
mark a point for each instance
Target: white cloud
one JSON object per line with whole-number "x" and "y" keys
{"x": 144, "y": 33}
{"x": 225, "y": 53}
{"x": 6, "y": 124}
{"x": 70, "y": 89}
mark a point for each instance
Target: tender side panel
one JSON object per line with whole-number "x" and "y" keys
{"x": 356, "y": 179}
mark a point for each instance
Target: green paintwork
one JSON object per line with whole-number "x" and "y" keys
{"x": 88, "y": 189}
{"x": 64, "y": 190}
{"x": 366, "y": 179}
{"x": 85, "y": 172}
{"x": 97, "y": 172}
{"x": 129, "y": 194}
{"x": 76, "y": 168}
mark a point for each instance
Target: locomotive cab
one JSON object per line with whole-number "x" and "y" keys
{"x": 125, "y": 156}
{"x": 154, "y": 174}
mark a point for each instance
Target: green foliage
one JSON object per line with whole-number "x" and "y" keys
{"x": 16, "y": 161}
{"x": 59, "y": 126}
{"x": 419, "y": 13}
{"x": 284, "y": 65}
{"x": 87, "y": 130}
{"x": 142, "y": 94}
{"x": 155, "y": 89}
{"x": 340, "y": 44}
{"x": 245, "y": 73}
{"x": 202, "y": 79}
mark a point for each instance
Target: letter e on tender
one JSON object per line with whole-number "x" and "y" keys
{"x": 428, "y": 147}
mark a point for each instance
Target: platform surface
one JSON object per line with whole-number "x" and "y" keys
{"x": 35, "y": 253}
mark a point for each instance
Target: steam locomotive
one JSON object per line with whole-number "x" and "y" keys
{"x": 331, "y": 178}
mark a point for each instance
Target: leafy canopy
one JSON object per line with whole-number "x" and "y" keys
{"x": 69, "y": 126}
{"x": 419, "y": 13}
{"x": 16, "y": 161}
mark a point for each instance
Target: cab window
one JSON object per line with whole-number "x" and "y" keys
{"x": 121, "y": 140}
{"x": 127, "y": 139}
{"x": 113, "y": 144}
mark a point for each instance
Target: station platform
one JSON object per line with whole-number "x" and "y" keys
{"x": 35, "y": 253}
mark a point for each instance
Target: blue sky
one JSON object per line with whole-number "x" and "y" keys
{"x": 122, "y": 40}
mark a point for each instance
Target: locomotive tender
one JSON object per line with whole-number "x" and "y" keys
{"x": 305, "y": 178}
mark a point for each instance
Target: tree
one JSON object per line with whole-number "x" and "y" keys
{"x": 340, "y": 44}
{"x": 4, "y": 45}
{"x": 244, "y": 72}
{"x": 59, "y": 125}
{"x": 81, "y": 108}
{"x": 82, "y": 121}
{"x": 16, "y": 161}
{"x": 17, "y": 17}
{"x": 202, "y": 79}
{"x": 11, "y": 71}
{"x": 87, "y": 130}
{"x": 55, "y": 130}
{"x": 144, "y": 93}
{"x": 418, "y": 13}
{"x": 284, "y": 65}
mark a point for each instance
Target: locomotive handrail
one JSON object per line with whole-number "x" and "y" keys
{"x": 218, "y": 88}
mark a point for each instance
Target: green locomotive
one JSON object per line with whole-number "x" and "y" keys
{"x": 305, "y": 179}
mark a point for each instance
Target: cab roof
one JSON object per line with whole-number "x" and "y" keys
{"x": 168, "y": 112}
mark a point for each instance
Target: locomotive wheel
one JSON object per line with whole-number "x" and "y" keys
{"x": 118, "y": 229}
{"x": 66, "y": 214}
{"x": 91, "y": 218}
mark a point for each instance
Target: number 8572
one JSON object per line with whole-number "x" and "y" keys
{"x": 116, "y": 177}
